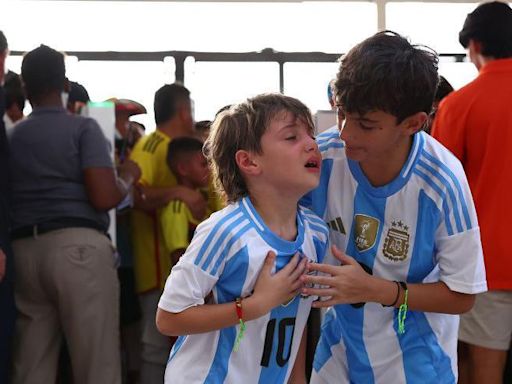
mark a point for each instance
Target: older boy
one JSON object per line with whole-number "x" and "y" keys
{"x": 399, "y": 205}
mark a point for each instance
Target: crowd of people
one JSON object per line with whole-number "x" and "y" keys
{"x": 229, "y": 232}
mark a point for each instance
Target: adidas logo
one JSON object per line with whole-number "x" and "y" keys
{"x": 337, "y": 225}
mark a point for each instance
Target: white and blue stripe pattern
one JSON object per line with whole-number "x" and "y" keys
{"x": 429, "y": 212}
{"x": 225, "y": 258}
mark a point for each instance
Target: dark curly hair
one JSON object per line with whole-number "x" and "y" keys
{"x": 385, "y": 72}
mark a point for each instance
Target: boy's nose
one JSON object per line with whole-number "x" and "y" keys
{"x": 344, "y": 130}
{"x": 311, "y": 144}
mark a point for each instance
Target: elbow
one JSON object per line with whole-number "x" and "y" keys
{"x": 165, "y": 324}
{"x": 104, "y": 202}
{"x": 465, "y": 304}
{"x": 102, "y": 206}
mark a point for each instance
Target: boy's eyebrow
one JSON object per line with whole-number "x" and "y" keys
{"x": 291, "y": 125}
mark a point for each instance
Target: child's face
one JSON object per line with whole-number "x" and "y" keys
{"x": 290, "y": 160}
{"x": 197, "y": 171}
{"x": 373, "y": 136}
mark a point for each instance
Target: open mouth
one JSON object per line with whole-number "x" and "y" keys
{"x": 313, "y": 163}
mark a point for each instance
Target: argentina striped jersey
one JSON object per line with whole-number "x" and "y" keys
{"x": 225, "y": 258}
{"x": 421, "y": 227}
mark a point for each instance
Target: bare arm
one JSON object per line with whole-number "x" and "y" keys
{"x": 298, "y": 374}
{"x": 349, "y": 283}
{"x": 269, "y": 291}
{"x": 104, "y": 189}
{"x": 149, "y": 198}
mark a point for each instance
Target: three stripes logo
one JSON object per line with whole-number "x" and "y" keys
{"x": 337, "y": 225}
{"x": 152, "y": 143}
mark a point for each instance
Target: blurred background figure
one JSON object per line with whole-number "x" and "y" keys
{"x": 202, "y": 129}
{"x": 444, "y": 88}
{"x": 475, "y": 123}
{"x": 65, "y": 270}
{"x": 78, "y": 97}
{"x": 127, "y": 132}
{"x": 14, "y": 100}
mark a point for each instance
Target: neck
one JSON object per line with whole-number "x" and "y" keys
{"x": 174, "y": 129}
{"x": 382, "y": 170}
{"x": 186, "y": 183}
{"x": 278, "y": 213}
{"x": 48, "y": 100}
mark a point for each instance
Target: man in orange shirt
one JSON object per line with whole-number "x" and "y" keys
{"x": 475, "y": 123}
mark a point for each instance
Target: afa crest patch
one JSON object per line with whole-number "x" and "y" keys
{"x": 396, "y": 243}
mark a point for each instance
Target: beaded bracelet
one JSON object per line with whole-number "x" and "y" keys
{"x": 402, "y": 310}
{"x": 239, "y": 314}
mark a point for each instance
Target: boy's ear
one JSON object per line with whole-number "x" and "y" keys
{"x": 246, "y": 164}
{"x": 414, "y": 123}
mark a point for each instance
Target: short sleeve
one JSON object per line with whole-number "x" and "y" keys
{"x": 458, "y": 245}
{"x": 189, "y": 283}
{"x": 94, "y": 149}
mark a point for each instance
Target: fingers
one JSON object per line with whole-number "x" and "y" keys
{"x": 325, "y": 268}
{"x": 321, "y": 292}
{"x": 299, "y": 270}
{"x": 345, "y": 260}
{"x": 268, "y": 265}
{"x": 323, "y": 304}
{"x": 318, "y": 280}
{"x": 292, "y": 265}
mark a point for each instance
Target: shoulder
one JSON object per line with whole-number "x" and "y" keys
{"x": 440, "y": 158}
{"x": 153, "y": 144}
{"x": 225, "y": 222}
{"x": 463, "y": 98}
{"x": 314, "y": 222}
{"x": 329, "y": 143}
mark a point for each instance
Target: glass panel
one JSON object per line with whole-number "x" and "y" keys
{"x": 134, "y": 80}
{"x": 174, "y": 25}
{"x": 436, "y": 25}
{"x": 216, "y": 84}
{"x": 458, "y": 74}
{"x": 308, "y": 82}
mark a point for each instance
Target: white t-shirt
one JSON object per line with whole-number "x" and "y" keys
{"x": 225, "y": 258}
{"x": 421, "y": 227}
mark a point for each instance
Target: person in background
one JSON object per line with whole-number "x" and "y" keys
{"x": 444, "y": 88}
{"x": 202, "y": 129}
{"x": 62, "y": 185}
{"x": 475, "y": 123}
{"x": 14, "y": 100}
{"x": 186, "y": 160}
{"x": 78, "y": 97}
{"x": 173, "y": 117}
